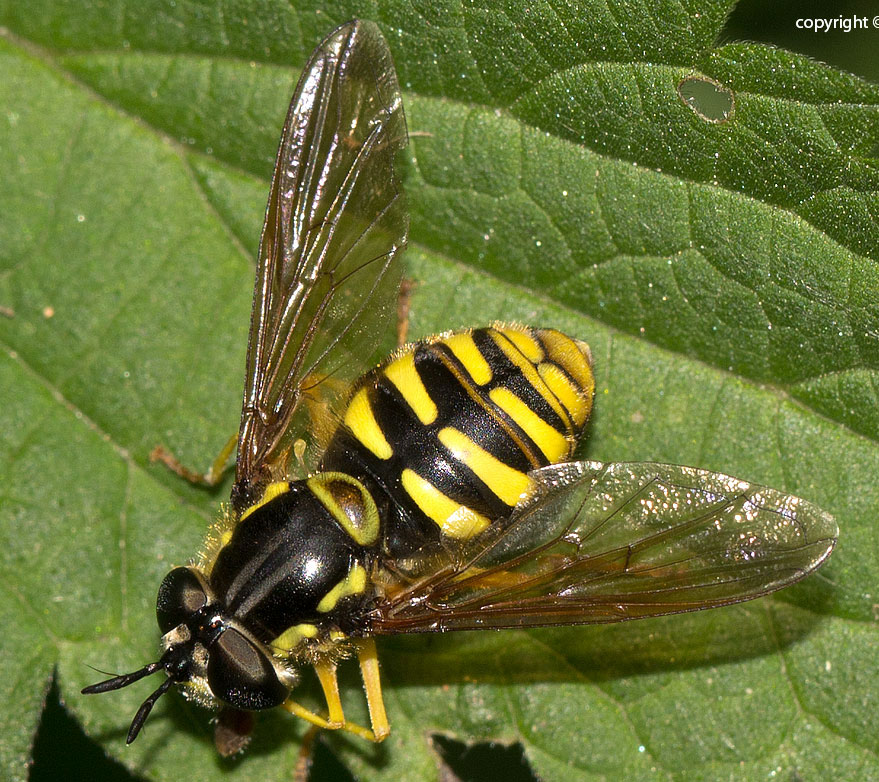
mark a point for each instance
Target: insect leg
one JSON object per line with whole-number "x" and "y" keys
{"x": 211, "y": 478}
{"x": 368, "y": 658}
{"x": 326, "y": 674}
{"x": 309, "y": 716}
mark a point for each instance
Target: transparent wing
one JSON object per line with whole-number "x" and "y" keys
{"x": 609, "y": 542}
{"x": 328, "y": 271}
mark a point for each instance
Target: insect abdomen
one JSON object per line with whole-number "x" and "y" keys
{"x": 449, "y": 428}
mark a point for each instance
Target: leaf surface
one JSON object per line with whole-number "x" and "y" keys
{"x": 724, "y": 273}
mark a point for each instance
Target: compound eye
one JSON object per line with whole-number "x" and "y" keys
{"x": 241, "y": 674}
{"x": 180, "y": 596}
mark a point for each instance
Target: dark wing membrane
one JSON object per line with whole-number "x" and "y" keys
{"x": 609, "y": 542}
{"x": 328, "y": 271}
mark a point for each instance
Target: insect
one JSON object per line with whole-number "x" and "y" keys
{"x": 438, "y": 492}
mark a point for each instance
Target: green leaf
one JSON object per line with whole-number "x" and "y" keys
{"x": 566, "y": 170}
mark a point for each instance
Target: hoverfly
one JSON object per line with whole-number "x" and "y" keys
{"x": 442, "y": 496}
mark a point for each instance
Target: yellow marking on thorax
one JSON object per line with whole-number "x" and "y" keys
{"x": 349, "y": 503}
{"x": 454, "y": 519}
{"x": 508, "y": 483}
{"x": 353, "y": 584}
{"x": 403, "y": 374}
{"x": 360, "y": 419}
{"x": 272, "y": 490}
{"x": 578, "y": 403}
{"x": 521, "y": 337}
{"x": 293, "y": 636}
{"x": 554, "y": 445}
{"x": 529, "y": 371}
{"x": 464, "y": 349}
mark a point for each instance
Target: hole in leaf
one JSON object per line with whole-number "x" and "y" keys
{"x": 709, "y": 99}
{"x": 63, "y": 751}
{"x": 485, "y": 761}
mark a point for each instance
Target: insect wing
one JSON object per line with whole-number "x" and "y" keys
{"x": 328, "y": 271}
{"x": 609, "y": 542}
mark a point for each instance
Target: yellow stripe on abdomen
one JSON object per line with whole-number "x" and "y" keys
{"x": 505, "y": 482}
{"x": 403, "y": 374}
{"x": 574, "y": 401}
{"x": 568, "y": 373}
{"x": 360, "y": 419}
{"x": 528, "y": 370}
{"x": 552, "y": 443}
{"x": 454, "y": 519}
{"x": 521, "y": 337}
{"x": 573, "y": 355}
{"x": 464, "y": 349}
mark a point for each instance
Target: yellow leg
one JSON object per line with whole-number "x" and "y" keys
{"x": 309, "y": 716}
{"x": 368, "y": 658}
{"x": 326, "y": 674}
{"x": 211, "y": 478}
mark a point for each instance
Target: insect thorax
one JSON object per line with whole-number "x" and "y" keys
{"x": 295, "y": 568}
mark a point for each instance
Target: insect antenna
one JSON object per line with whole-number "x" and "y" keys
{"x": 118, "y": 682}
{"x": 145, "y": 708}
{"x": 173, "y": 662}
